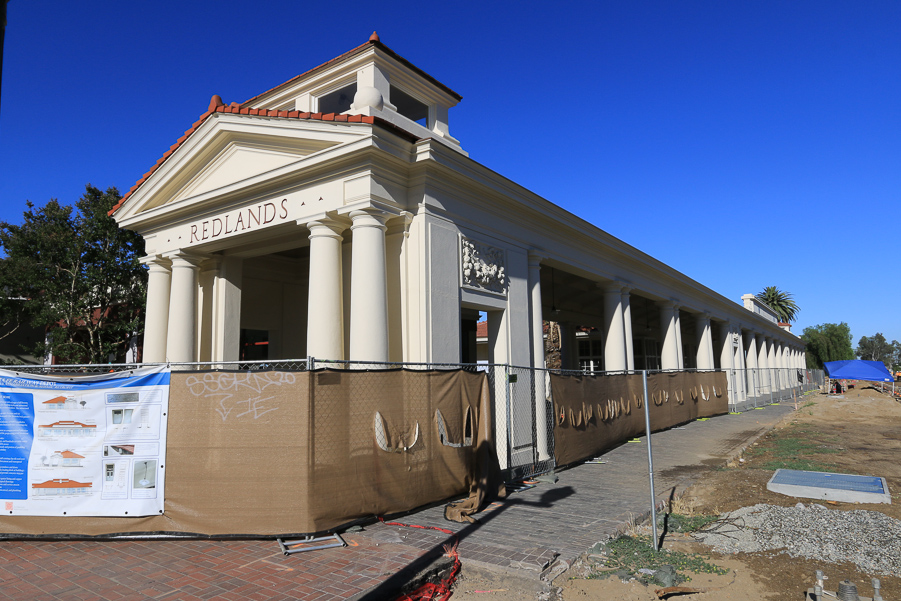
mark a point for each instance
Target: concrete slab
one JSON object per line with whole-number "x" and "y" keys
{"x": 846, "y": 488}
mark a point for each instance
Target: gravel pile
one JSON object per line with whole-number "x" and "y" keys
{"x": 869, "y": 539}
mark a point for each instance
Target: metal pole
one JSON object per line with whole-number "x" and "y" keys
{"x": 509, "y": 418}
{"x": 647, "y": 426}
{"x": 770, "y": 377}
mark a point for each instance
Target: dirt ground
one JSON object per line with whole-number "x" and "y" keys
{"x": 859, "y": 434}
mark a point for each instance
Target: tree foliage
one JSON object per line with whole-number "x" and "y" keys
{"x": 780, "y": 302}
{"x": 78, "y": 275}
{"x": 877, "y": 348}
{"x": 827, "y": 342}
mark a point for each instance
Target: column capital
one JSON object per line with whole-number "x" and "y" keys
{"x": 611, "y": 287}
{"x": 181, "y": 258}
{"x": 378, "y": 210}
{"x": 324, "y": 226}
{"x": 369, "y": 218}
{"x": 705, "y": 315}
{"x": 156, "y": 262}
{"x": 400, "y": 224}
{"x": 536, "y": 256}
{"x": 669, "y": 303}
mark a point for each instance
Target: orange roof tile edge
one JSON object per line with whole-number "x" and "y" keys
{"x": 235, "y": 109}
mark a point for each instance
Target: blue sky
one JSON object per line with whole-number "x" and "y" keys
{"x": 746, "y": 144}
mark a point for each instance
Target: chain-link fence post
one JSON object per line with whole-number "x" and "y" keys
{"x": 647, "y": 427}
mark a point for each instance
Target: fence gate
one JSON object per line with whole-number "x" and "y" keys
{"x": 523, "y": 425}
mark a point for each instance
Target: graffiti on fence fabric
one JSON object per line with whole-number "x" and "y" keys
{"x": 239, "y": 394}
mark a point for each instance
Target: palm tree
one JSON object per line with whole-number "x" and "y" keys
{"x": 781, "y": 302}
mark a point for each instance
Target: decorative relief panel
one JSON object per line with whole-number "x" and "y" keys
{"x": 483, "y": 267}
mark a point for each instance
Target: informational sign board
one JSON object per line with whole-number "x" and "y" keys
{"x": 83, "y": 445}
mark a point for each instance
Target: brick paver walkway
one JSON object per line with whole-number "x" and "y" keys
{"x": 524, "y": 533}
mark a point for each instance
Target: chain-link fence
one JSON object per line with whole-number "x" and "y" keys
{"x": 755, "y": 387}
{"x": 521, "y": 400}
{"x": 752, "y": 387}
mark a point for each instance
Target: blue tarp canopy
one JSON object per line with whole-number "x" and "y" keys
{"x": 871, "y": 371}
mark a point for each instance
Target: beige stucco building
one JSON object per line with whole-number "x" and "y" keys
{"x": 336, "y": 216}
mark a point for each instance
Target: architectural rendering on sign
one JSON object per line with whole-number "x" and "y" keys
{"x": 336, "y": 216}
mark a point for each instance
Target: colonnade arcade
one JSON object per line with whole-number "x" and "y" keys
{"x": 332, "y": 271}
{"x": 613, "y": 326}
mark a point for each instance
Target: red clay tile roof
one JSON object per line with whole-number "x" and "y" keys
{"x": 62, "y": 483}
{"x": 235, "y": 109}
{"x": 55, "y": 400}
{"x": 68, "y": 423}
{"x": 482, "y": 329}
{"x": 71, "y": 455}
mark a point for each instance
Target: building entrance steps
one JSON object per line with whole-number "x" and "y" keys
{"x": 529, "y": 533}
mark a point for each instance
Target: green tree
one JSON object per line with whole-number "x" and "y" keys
{"x": 780, "y": 302}
{"x": 877, "y": 348}
{"x": 78, "y": 275}
{"x": 827, "y": 342}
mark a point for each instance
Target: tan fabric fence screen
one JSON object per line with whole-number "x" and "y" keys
{"x": 592, "y": 414}
{"x": 264, "y": 453}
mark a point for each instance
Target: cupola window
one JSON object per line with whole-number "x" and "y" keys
{"x": 409, "y": 107}
{"x": 338, "y": 101}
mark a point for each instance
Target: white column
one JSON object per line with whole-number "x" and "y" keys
{"x": 727, "y": 357}
{"x": 614, "y": 340}
{"x": 627, "y": 328}
{"x": 705, "y": 342}
{"x": 368, "y": 288}
{"x": 751, "y": 364}
{"x": 762, "y": 365}
{"x": 678, "y": 325}
{"x": 669, "y": 355}
{"x": 739, "y": 362}
{"x": 325, "y": 309}
{"x": 225, "y": 320}
{"x": 780, "y": 363}
{"x": 543, "y": 424}
{"x": 751, "y": 350}
{"x": 537, "y": 319}
{"x": 156, "y": 325}
{"x": 181, "y": 341}
{"x": 761, "y": 351}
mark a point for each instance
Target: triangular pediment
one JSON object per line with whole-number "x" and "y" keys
{"x": 235, "y": 163}
{"x": 222, "y": 155}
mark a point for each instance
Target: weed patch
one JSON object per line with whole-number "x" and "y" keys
{"x": 796, "y": 447}
{"x": 635, "y": 557}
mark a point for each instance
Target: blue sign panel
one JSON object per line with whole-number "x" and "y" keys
{"x": 16, "y": 440}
